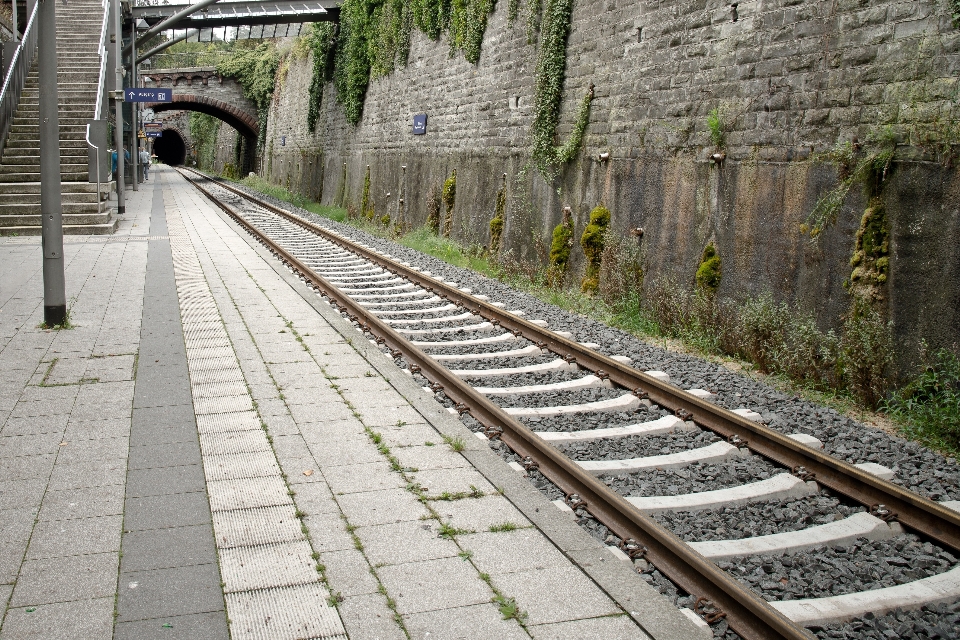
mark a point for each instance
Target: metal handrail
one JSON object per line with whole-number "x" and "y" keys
{"x": 97, "y": 115}
{"x": 17, "y": 76}
{"x": 97, "y": 149}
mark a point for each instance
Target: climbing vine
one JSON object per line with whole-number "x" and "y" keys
{"x": 321, "y": 41}
{"x": 468, "y": 21}
{"x": 548, "y": 88}
{"x": 204, "y": 129}
{"x": 256, "y": 72}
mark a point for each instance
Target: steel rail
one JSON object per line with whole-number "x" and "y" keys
{"x": 885, "y": 499}
{"x": 745, "y": 612}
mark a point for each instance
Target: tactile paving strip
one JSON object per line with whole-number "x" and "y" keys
{"x": 272, "y": 587}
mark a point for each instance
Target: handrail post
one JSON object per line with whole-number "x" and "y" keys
{"x": 97, "y": 149}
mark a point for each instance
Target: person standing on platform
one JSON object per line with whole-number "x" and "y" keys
{"x": 145, "y": 162}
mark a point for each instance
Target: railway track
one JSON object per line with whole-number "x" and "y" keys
{"x": 598, "y": 433}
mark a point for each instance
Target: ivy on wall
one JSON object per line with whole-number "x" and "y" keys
{"x": 204, "y": 129}
{"x": 321, "y": 41}
{"x": 256, "y": 71}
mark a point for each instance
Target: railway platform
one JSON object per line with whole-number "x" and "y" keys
{"x": 211, "y": 451}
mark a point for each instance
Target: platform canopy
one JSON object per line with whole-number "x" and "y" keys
{"x": 254, "y": 14}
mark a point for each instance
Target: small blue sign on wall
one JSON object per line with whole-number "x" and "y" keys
{"x": 419, "y": 124}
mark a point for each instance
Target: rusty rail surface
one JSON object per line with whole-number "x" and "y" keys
{"x": 747, "y": 613}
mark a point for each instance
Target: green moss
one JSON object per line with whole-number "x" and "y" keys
{"x": 496, "y": 224}
{"x": 592, "y": 242}
{"x": 385, "y": 219}
{"x": 709, "y": 272}
{"x": 366, "y": 208}
{"x": 449, "y": 198}
{"x": 560, "y": 246}
{"x": 871, "y": 256}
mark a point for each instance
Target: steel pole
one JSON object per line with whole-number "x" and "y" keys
{"x": 118, "y": 104}
{"x": 13, "y": 19}
{"x": 51, "y": 209}
{"x": 134, "y": 139}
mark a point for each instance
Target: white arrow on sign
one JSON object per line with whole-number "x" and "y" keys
{"x": 132, "y": 93}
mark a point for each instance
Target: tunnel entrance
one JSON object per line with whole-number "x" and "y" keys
{"x": 170, "y": 148}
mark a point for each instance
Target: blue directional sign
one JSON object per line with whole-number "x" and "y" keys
{"x": 132, "y": 94}
{"x": 154, "y": 134}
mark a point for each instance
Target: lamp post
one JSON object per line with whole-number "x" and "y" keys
{"x": 51, "y": 208}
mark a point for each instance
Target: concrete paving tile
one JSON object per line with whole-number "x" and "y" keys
{"x": 154, "y": 456}
{"x": 408, "y": 435}
{"x": 350, "y": 452}
{"x": 371, "y": 476}
{"x": 315, "y": 497}
{"x": 368, "y": 616}
{"x": 459, "y": 480}
{"x": 555, "y": 594}
{"x": 165, "y": 480}
{"x": 254, "y": 464}
{"x": 162, "y": 393}
{"x": 227, "y": 422}
{"x": 44, "y": 408}
{"x": 307, "y": 414}
{"x": 103, "y": 410}
{"x": 58, "y": 538}
{"x": 608, "y": 628}
{"x": 26, "y": 467}
{"x": 478, "y": 514}
{"x": 67, "y": 370}
{"x": 301, "y": 471}
{"x": 29, "y": 445}
{"x": 87, "y": 474}
{"x": 328, "y": 532}
{"x": 209, "y": 626}
{"x": 96, "y": 429}
{"x": 476, "y": 622}
{"x": 227, "y": 404}
{"x": 379, "y": 416}
{"x": 233, "y": 442}
{"x": 333, "y": 432}
{"x": 5, "y": 591}
{"x": 15, "y": 528}
{"x": 264, "y": 567}
{"x": 247, "y": 493}
{"x": 61, "y": 621}
{"x": 169, "y": 416}
{"x": 272, "y": 408}
{"x": 173, "y": 510}
{"x": 509, "y": 551}
{"x": 438, "y": 456}
{"x": 281, "y": 425}
{"x": 348, "y": 573}
{"x": 299, "y": 611}
{"x": 143, "y": 595}
{"x": 19, "y": 494}
{"x": 78, "y": 577}
{"x": 35, "y": 425}
{"x": 90, "y": 450}
{"x": 434, "y": 584}
{"x": 291, "y": 446}
{"x": 258, "y": 526}
{"x": 400, "y": 542}
{"x": 86, "y": 502}
{"x": 166, "y": 548}
{"x": 380, "y": 507}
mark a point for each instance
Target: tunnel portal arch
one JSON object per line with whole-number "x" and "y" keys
{"x": 171, "y": 147}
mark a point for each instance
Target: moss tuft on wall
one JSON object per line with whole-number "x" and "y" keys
{"x": 496, "y": 224}
{"x": 560, "y": 246}
{"x": 592, "y": 242}
{"x": 449, "y": 197}
{"x": 709, "y": 272}
{"x": 366, "y": 205}
{"x": 871, "y": 257}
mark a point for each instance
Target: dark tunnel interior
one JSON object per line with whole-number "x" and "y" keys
{"x": 169, "y": 148}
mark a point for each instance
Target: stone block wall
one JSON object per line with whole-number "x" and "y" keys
{"x": 789, "y": 78}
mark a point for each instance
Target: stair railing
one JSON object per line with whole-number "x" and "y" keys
{"x": 98, "y": 111}
{"x": 97, "y": 153}
{"x": 16, "y": 78}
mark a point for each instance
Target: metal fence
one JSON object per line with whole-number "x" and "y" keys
{"x": 16, "y": 78}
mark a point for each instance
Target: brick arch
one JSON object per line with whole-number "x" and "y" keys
{"x": 234, "y": 116}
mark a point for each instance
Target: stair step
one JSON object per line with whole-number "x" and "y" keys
{"x": 84, "y": 187}
{"x": 65, "y": 176}
{"x": 106, "y": 228}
